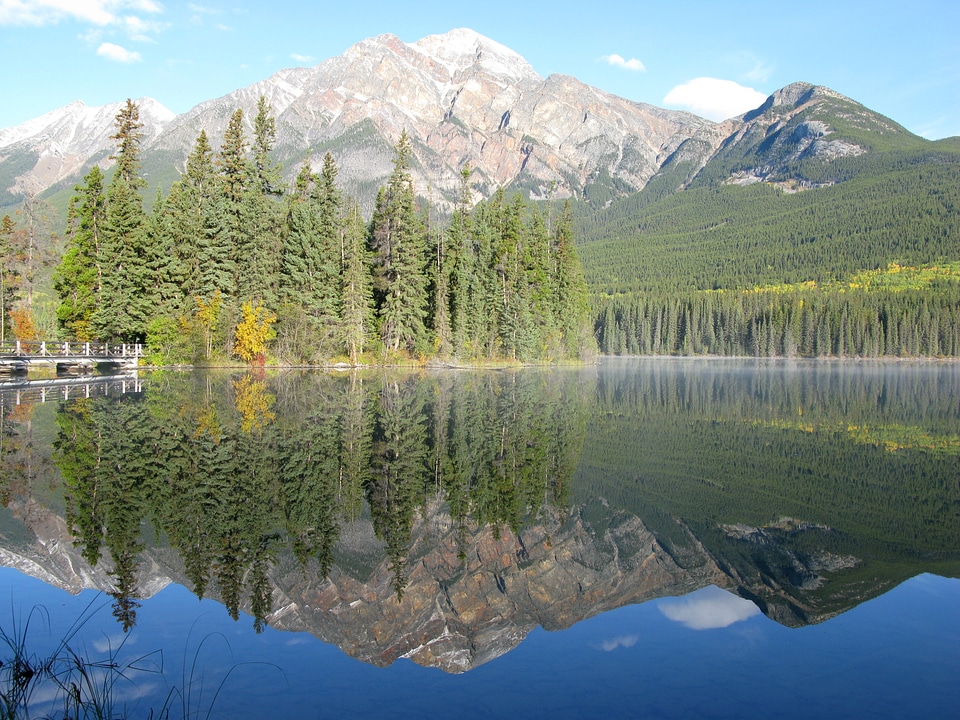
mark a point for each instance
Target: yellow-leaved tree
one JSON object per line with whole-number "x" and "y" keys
{"x": 253, "y": 333}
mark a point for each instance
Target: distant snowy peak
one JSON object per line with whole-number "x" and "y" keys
{"x": 462, "y": 49}
{"x": 79, "y": 122}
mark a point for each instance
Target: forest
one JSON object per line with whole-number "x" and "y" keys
{"x": 242, "y": 473}
{"x": 230, "y": 264}
{"x": 862, "y": 262}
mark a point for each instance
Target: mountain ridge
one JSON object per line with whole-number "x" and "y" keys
{"x": 461, "y": 96}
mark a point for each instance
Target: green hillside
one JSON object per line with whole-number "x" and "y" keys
{"x": 762, "y": 250}
{"x": 901, "y": 206}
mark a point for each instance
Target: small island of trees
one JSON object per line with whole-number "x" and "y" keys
{"x": 230, "y": 263}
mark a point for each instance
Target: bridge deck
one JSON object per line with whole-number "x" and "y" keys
{"x": 24, "y": 353}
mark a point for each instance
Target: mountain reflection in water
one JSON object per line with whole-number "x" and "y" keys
{"x": 442, "y": 516}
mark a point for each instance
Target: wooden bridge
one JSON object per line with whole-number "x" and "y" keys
{"x": 66, "y": 356}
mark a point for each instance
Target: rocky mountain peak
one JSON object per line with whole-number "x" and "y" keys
{"x": 463, "y": 50}
{"x": 462, "y": 98}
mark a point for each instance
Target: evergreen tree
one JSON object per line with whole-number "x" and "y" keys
{"x": 400, "y": 258}
{"x": 357, "y": 298}
{"x": 462, "y": 267}
{"x": 571, "y": 304}
{"x": 192, "y": 204}
{"x": 312, "y": 255}
{"x": 77, "y": 279}
{"x": 9, "y": 275}
{"x": 222, "y": 247}
{"x": 259, "y": 238}
{"x": 124, "y": 306}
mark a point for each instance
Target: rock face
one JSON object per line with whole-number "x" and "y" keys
{"x": 795, "y": 124}
{"x": 462, "y": 98}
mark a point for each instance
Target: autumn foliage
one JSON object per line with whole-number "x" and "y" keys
{"x": 253, "y": 333}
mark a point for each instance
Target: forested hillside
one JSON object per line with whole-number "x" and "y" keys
{"x": 769, "y": 267}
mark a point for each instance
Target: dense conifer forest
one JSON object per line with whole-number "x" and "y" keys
{"x": 231, "y": 264}
{"x": 861, "y": 260}
{"x": 233, "y": 479}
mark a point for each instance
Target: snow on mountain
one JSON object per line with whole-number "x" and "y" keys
{"x": 462, "y": 98}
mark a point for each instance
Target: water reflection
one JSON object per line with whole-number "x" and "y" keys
{"x": 443, "y": 516}
{"x": 709, "y": 609}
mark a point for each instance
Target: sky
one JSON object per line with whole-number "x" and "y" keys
{"x": 715, "y": 59}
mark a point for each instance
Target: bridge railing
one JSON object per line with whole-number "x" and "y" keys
{"x": 67, "y": 348}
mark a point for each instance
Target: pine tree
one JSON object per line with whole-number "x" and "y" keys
{"x": 400, "y": 249}
{"x": 124, "y": 306}
{"x": 357, "y": 298}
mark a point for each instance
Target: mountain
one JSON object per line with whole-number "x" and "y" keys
{"x": 61, "y": 144}
{"x": 464, "y": 98}
{"x": 471, "y": 597}
{"x": 810, "y": 186}
{"x": 461, "y": 96}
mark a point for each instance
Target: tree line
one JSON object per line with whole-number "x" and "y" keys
{"x": 862, "y": 323}
{"x": 230, "y": 260}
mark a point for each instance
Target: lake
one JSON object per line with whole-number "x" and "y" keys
{"x": 661, "y": 538}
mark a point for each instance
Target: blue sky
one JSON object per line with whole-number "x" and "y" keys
{"x": 716, "y": 59}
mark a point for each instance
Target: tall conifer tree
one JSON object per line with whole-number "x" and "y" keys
{"x": 357, "y": 290}
{"x": 400, "y": 258}
{"x": 124, "y": 306}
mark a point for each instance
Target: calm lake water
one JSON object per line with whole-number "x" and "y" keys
{"x": 644, "y": 538}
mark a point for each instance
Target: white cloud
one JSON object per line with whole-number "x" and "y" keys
{"x": 620, "y": 62}
{"x": 714, "y": 98}
{"x": 623, "y": 641}
{"x": 709, "y": 608}
{"x": 301, "y": 58}
{"x": 118, "y": 54}
{"x": 46, "y": 12}
{"x": 142, "y": 30}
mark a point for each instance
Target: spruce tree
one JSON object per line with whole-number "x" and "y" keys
{"x": 357, "y": 319}
{"x": 192, "y": 208}
{"x": 462, "y": 267}
{"x": 77, "y": 278}
{"x": 124, "y": 306}
{"x": 221, "y": 249}
{"x": 572, "y": 307}
{"x": 260, "y": 236}
{"x": 312, "y": 257}
{"x": 400, "y": 258}
{"x": 9, "y": 275}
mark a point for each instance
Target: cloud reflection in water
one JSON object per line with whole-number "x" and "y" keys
{"x": 708, "y": 608}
